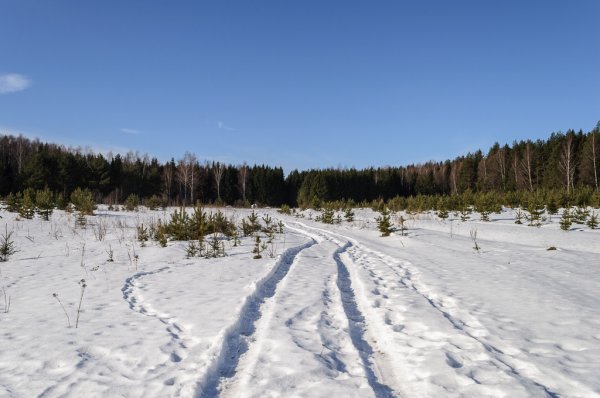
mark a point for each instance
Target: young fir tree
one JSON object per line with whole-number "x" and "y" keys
{"x": 565, "y": 220}
{"x": 83, "y": 201}
{"x": 519, "y": 216}
{"x": 44, "y": 203}
{"x": 536, "y": 211}
{"x": 7, "y": 246}
{"x": 349, "y": 214}
{"x": 465, "y": 213}
{"x": 27, "y": 208}
{"x": 327, "y": 215}
{"x": 593, "y": 221}
{"x": 384, "y": 223}
{"x": 13, "y": 202}
{"x": 257, "y": 248}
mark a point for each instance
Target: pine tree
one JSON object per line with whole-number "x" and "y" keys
{"x": 565, "y": 220}
{"x": 257, "y": 248}
{"x": 7, "y": 246}
{"x": 44, "y": 203}
{"x": 593, "y": 221}
{"x": 27, "y": 208}
{"x": 349, "y": 214}
{"x": 383, "y": 223}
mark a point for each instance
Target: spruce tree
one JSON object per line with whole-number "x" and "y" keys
{"x": 565, "y": 220}
{"x": 349, "y": 214}
{"x": 44, "y": 203}
{"x": 27, "y": 208}
{"x": 383, "y": 223}
{"x": 593, "y": 221}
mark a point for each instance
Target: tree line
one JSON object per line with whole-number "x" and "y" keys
{"x": 567, "y": 162}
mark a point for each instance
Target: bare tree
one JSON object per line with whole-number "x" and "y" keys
{"x": 186, "y": 174}
{"x": 454, "y": 177}
{"x": 567, "y": 162}
{"x": 525, "y": 166}
{"x": 243, "y": 179}
{"x": 218, "y": 170}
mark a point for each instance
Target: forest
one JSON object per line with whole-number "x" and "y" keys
{"x": 565, "y": 164}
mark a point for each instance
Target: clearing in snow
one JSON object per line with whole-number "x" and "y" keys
{"x": 328, "y": 311}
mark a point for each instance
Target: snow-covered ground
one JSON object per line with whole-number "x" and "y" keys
{"x": 338, "y": 312}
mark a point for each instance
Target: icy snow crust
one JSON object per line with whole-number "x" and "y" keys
{"x": 338, "y": 312}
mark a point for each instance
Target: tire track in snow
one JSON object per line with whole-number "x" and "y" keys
{"x": 235, "y": 339}
{"x": 476, "y": 333}
{"x": 356, "y": 322}
{"x": 357, "y": 327}
{"x": 507, "y": 363}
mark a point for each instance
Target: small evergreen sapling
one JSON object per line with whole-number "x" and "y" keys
{"x": 257, "y": 248}
{"x": 27, "y": 208}
{"x": 7, "y": 246}
{"x": 349, "y": 214}
{"x": 44, "y": 203}
{"x": 566, "y": 220}
{"x": 593, "y": 221}
{"x": 142, "y": 235}
{"x": 519, "y": 215}
{"x": 383, "y": 223}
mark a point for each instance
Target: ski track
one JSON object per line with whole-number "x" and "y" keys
{"x": 235, "y": 340}
{"x": 504, "y": 358}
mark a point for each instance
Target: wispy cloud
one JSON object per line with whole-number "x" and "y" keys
{"x": 223, "y": 126}
{"x": 13, "y": 82}
{"x": 130, "y": 131}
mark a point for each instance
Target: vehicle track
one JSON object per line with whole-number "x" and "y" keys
{"x": 235, "y": 340}
{"x": 506, "y": 359}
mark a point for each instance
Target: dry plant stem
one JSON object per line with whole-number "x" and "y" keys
{"x": 63, "y": 308}
{"x": 83, "y": 286}
{"x": 6, "y": 302}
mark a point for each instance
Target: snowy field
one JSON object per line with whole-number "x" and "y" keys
{"x": 338, "y": 311}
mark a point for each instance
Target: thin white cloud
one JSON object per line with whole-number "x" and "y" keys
{"x": 130, "y": 131}
{"x": 223, "y": 126}
{"x": 13, "y": 82}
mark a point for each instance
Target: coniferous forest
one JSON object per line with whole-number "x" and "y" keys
{"x": 561, "y": 169}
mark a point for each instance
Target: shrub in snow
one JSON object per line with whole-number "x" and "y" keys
{"x": 519, "y": 215}
{"x": 285, "y": 209}
{"x": 257, "y": 248}
{"x": 7, "y": 246}
{"x": 142, "y": 235}
{"x": 383, "y": 223}
{"x": 27, "y": 208}
{"x": 565, "y": 220}
{"x": 44, "y": 203}
{"x": 349, "y": 215}
{"x": 83, "y": 201}
{"x": 13, "y": 202}
{"x": 132, "y": 202}
{"x": 593, "y": 221}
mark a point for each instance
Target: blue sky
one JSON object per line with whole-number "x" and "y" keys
{"x": 298, "y": 84}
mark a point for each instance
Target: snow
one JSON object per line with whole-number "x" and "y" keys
{"x": 339, "y": 311}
